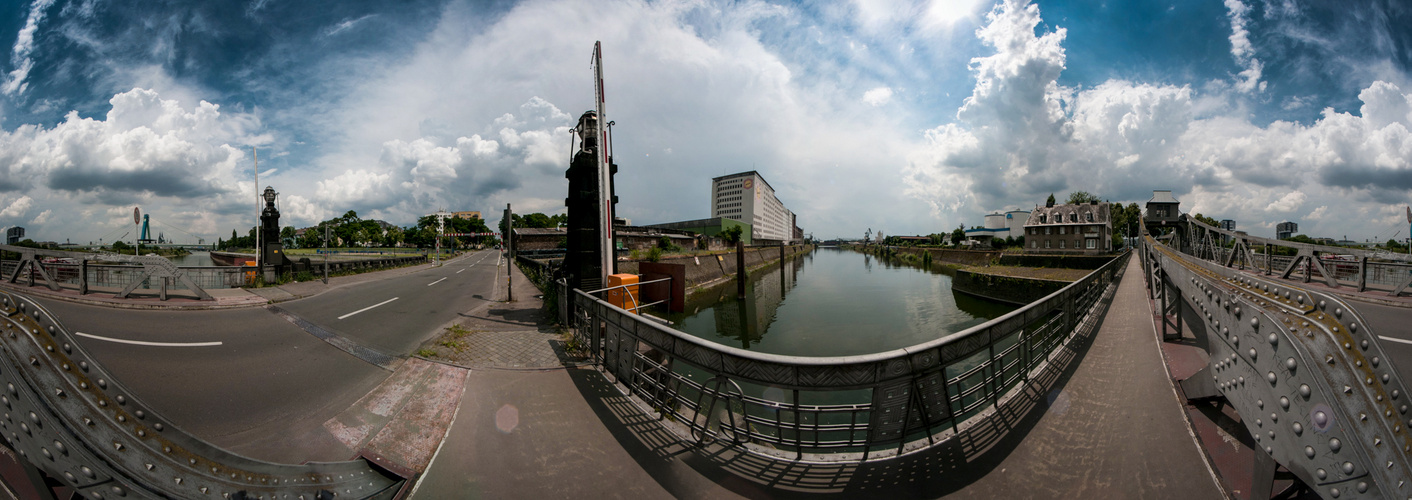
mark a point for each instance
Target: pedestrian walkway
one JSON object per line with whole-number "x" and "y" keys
{"x": 1104, "y": 422}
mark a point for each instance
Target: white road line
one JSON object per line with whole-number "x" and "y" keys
{"x": 461, "y": 271}
{"x": 369, "y": 307}
{"x": 437, "y": 281}
{"x": 1391, "y": 339}
{"x": 153, "y": 344}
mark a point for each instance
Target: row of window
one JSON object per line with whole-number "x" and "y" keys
{"x": 727, "y": 205}
{"x": 1064, "y": 230}
{"x": 1059, "y": 218}
{"x": 733, "y": 198}
{"x": 1090, "y": 243}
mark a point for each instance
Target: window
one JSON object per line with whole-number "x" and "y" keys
{"x": 1089, "y": 216}
{"x": 1046, "y": 243}
{"x": 1077, "y": 243}
{"x": 1062, "y": 229}
{"x": 1041, "y": 218}
{"x": 1061, "y": 244}
{"x": 1046, "y": 231}
{"x": 1091, "y": 244}
{"x": 1034, "y": 244}
{"x": 1073, "y": 217}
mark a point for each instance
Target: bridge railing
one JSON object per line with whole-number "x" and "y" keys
{"x": 844, "y": 409}
{"x": 1355, "y": 268}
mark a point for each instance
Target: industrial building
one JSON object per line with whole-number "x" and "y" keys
{"x": 746, "y": 197}
{"x": 708, "y": 227}
{"x": 1000, "y": 226}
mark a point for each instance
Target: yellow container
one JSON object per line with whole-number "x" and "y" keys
{"x": 250, "y": 274}
{"x": 626, "y": 297}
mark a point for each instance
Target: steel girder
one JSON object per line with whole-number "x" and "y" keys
{"x": 69, "y": 418}
{"x": 1306, "y": 375}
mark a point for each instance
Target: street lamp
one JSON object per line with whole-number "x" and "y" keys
{"x": 270, "y": 195}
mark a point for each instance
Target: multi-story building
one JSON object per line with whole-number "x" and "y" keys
{"x": 1286, "y": 230}
{"x": 1082, "y": 228}
{"x": 1228, "y": 225}
{"x": 14, "y": 234}
{"x": 748, "y": 198}
{"x": 466, "y": 215}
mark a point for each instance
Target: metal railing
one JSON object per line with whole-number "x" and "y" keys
{"x": 845, "y": 409}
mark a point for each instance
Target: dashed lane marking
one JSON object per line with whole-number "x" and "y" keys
{"x": 437, "y": 281}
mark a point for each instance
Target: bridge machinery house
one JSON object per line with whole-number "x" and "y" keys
{"x": 1081, "y": 229}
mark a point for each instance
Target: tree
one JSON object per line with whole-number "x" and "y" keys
{"x": 1207, "y": 220}
{"x": 732, "y": 234}
{"x": 1079, "y": 198}
{"x": 958, "y": 235}
{"x": 1050, "y": 201}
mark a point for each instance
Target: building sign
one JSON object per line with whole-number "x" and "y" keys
{"x": 749, "y": 183}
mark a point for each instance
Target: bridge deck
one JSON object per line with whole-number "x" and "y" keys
{"x": 1111, "y": 427}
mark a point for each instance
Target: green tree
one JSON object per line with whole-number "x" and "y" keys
{"x": 732, "y": 234}
{"x": 959, "y": 235}
{"x": 1050, "y": 201}
{"x": 1079, "y": 198}
{"x": 1207, "y": 220}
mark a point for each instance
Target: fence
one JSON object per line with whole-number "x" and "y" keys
{"x": 206, "y": 277}
{"x": 836, "y": 409}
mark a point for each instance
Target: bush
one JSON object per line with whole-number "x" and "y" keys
{"x": 655, "y": 254}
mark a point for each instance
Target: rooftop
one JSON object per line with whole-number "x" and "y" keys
{"x": 1162, "y": 196}
{"x": 1099, "y": 211}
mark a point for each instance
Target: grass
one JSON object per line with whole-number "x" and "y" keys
{"x": 426, "y": 353}
{"x": 454, "y": 338}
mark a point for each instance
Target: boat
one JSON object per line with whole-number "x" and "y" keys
{"x": 231, "y": 258}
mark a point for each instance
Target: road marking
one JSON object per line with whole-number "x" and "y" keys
{"x": 153, "y": 344}
{"x": 1401, "y": 341}
{"x": 369, "y": 307}
{"x": 437, "y": 281}
{"x": 461, "y": 271}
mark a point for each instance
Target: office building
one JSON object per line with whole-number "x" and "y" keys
{"x": 1286, "y": 230}
{"x": 746, "y": 197}
{"x": 466, "y": 215}
{"x": 14, "y": 235}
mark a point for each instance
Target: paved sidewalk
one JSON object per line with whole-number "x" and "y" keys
{"x": 507, "y": 335}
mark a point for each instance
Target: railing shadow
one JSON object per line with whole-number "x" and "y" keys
{"x": 981, "y": 444}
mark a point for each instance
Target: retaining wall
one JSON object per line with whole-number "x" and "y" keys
{"x": 710, "y": 268}
{"x": 1009, "y": 289}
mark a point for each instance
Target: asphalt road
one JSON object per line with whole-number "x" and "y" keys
{"x": 412, "y": 307}
{"x": 249, "y": 380}
{"x": 1391, "y": 325}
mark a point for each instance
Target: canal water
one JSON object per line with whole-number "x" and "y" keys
{"x": 194, "y": 259}
{"x": 834, "y": 302}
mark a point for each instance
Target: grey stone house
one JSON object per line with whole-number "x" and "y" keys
{"x": 1080, "y": 229}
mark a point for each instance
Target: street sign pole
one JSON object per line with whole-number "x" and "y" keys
{"x": 509, "y": 253}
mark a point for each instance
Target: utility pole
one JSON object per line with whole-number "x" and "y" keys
{"x": 258, "y": 207}
{"x": 327, "y": 234}
{"x": 509, "y": 253}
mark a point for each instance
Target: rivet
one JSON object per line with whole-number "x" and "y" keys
{"x": 1309, "y": 451}
{"x": 1348, "y": 467}
{"x": 60, "y": 446}
{"x": 1271, "y": 377}
{"x": 1252, "y": 353}
{"x": 1290, "y": 364}
{"x": 1333, "y": 492}
{"x": 1375, "y": 361}
{"x": 1284, "y": 402}
{"x": 1255, "y": 323}
{"x": 87, "y": 472}
{"x": 1364, "y": 344}
{"x": 118, "y": 446}
{"x": 121, "y": 400}
{"x": 1321, "y": 419}
{"x": 1321, "y": 474}
{"x": 1274, "y": 418}
{"x": 102, "y": 383}
{"x": 1298, "y": 429}
{"x": 157, "y": 426}
{"x": 83, "y": 365}
{"x": 1338, "y": 312}
{"x": 1335, "y": 444}
{"x": 1260, "y": 403}
{"x": 1362, "y": 487}
{"x": 139, "y": 414}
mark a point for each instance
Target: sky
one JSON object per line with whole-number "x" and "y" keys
{"x": 909, "y": 117}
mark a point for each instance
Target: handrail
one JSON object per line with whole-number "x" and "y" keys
{"x": 915, "y": 396}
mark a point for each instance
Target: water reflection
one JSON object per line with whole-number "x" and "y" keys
{"x": 826, "y": 304}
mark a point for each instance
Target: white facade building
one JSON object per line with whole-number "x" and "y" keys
{"x": 746, "y": 197}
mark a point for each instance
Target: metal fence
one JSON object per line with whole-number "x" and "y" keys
{"x": 1376, "y": 274}
{"x": 833, "y": 409}
{"x": 119, "y": 276}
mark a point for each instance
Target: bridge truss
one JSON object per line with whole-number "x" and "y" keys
{"x": 74, "y": 427}
{"x": 1300, "y": 366}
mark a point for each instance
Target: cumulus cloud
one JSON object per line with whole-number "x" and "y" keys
{"x": 43, "y": 217}
{"x": 1021, "y": 135}
{"x": 17, "y": 208}
{"x": 878, "y": 96}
